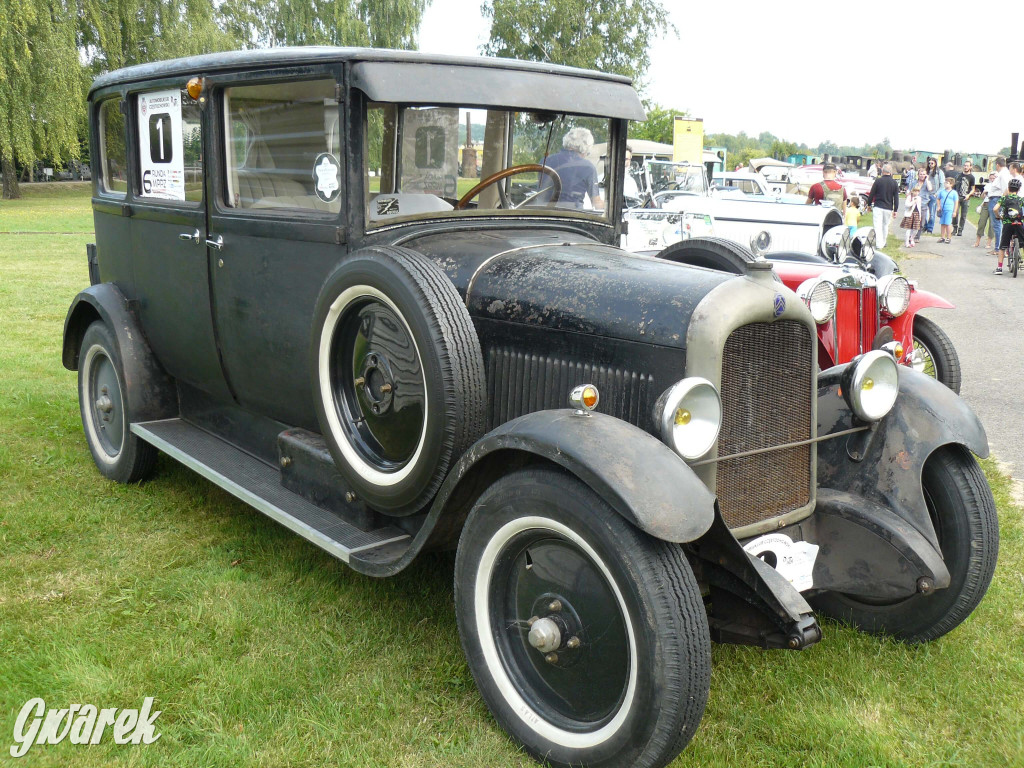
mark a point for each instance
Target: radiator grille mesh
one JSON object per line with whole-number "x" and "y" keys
{"x": 766, "y": 401}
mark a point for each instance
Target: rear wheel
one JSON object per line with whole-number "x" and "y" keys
{"x": 119, "y": 455}
{"x": 964, "y": 515}
{"x": 588, "y": 639}
{"x": 1014, "y": 256}
{"x": 934, "y": 354}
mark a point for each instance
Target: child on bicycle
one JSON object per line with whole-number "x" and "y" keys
{"x": 1010, "y": 210}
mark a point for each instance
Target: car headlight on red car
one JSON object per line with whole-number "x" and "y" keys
{"x": 893, "y": 295}
{"x": 819, "y": 294}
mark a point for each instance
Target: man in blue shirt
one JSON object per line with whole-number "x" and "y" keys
{"x": 578, "y": 175}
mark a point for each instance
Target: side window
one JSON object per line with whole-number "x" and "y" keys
{"x": 113, "y": 154}
{"x": 170, "y": 146}
{"x": 283, "y": 148}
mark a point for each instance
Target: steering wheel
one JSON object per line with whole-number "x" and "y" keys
{"x": 513, "y": 170}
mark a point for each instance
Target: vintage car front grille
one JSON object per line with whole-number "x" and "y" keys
{"x": 520, "y": 383}
{"x": 766, "y": 401}
{"x": 857, "y": 320}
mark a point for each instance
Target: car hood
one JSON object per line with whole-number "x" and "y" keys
{"x": 569, "y": 283}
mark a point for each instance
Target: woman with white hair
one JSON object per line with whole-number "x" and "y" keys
{"x": 578, "y": 175}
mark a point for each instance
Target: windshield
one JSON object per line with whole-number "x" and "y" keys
{"x": 453, "y": 161}
{"x": 681, "y": 178}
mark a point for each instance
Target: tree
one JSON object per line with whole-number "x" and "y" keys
{"x": 40, "y": 85}
{"x": 608, "y": 35}
{"x": 659, "y": 125}
{"x": 119, "y": 34}
{"x": 376, "y": 23}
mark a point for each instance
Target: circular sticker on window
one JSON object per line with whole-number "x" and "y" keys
{"x": 327, "y": 175}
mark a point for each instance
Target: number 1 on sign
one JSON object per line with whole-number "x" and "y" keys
{"x": 160, "y": 131}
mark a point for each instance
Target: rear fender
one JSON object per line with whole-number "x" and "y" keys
{"x": 150, "y": 391}
{"x": 883, "y": 465}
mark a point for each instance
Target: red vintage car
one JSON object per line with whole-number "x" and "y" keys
{"x": 857, "y": 296}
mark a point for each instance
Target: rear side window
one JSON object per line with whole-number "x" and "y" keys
{"x": 283, "y": 146}
{"x": 170, "y": 145}
{"x": 113, "y": 154}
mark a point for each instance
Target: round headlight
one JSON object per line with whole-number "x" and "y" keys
{"x": 689, "y": 414}
{"x": 819, "y": 294}
{"x": 894, "y": 294}
{"x": 761, "y": 242}
{"x": 870, "y": 385}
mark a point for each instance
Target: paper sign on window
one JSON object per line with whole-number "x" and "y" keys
{"x": 161, "y": 153}
{"x": 430, "y": 150}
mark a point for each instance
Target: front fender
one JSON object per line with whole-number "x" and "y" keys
{"x": 884, "y": 465}
{"x": 903, "y": 326}
{"x": 637, "y": 474}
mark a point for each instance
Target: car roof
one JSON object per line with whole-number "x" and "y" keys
{"x": 414, "y": 77}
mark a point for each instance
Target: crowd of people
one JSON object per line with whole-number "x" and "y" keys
{"x": 936, "y": 197}
{"x": 942, "y": 196}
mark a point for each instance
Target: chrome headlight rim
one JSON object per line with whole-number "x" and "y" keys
{"x": 871, "y": 385}
{"x": 816, "y": 285}
{"x": 890, "y": 289}
{"x": 701, "y": 403}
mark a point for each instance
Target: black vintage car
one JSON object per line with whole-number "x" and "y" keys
{"x": 296, "y": 295}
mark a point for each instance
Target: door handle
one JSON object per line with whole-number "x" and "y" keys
{"x": 194, "y": 236}
{"x": 215, "y": 244}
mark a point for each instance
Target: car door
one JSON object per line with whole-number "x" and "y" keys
{"x": 168, "y": 233}
{"x": 276, "y": 221}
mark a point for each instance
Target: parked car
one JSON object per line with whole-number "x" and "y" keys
{"x": 677, "y": 203}
{"x": 754, "y": 185}
{"x": 382, "y": 364}
{"x": 857, "y": 296}
{"x": 803, "y": 177}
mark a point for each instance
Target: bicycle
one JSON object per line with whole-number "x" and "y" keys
{"x": 1013, "y": 255}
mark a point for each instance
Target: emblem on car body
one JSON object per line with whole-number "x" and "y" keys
{"x": 780, "y": 304}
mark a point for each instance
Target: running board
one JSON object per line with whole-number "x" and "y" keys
{"x": 259, "y": 485}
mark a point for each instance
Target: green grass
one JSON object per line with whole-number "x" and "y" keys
{"x": 262, "y": 650}
{"x": 62, "y": 206}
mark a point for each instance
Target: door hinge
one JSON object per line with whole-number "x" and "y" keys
{"x": 340, "y": 235}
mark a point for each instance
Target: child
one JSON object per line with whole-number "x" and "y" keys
{"x": 1010, "y": 210}
{"x": 949, "y": 207}
{"x": 911, "y": 216}
{"x": 853, "y": 213}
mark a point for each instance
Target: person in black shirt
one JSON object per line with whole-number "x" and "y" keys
{"x": 884, "y": 200}
{"x": 964, "y": 186}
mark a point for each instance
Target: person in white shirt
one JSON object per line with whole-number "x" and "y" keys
{"x": 629, "y": 187}
{"x": 997, "y": 191}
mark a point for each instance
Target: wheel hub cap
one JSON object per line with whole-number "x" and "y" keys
{"x": 545, "y": 635}
{"x": 377, "y": 382}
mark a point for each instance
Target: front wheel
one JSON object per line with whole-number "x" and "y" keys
{"x": 934, "y": 354}
{"x": 964, "y": 515}
{"x": 587, "y": 638}
{"x": 1014, "y": 255}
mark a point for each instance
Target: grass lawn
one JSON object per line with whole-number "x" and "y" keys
{"x": 263, "y": 650}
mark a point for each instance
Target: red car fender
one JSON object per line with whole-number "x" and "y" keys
{"x": 903, "y": 326}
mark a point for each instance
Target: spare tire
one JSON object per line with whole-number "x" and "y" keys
{"x": 399, "y": 383}
{"x": 711, "y": 253}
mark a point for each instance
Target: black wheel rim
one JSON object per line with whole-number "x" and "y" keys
{"x": 378, "y": 384}
{"x": 580, "y": 685}
{"x": 106, "y": 408}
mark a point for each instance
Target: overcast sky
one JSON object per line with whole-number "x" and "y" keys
{"x": 808, "y": 71}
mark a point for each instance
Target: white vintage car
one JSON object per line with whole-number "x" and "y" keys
{"x": 677, "y": 204}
